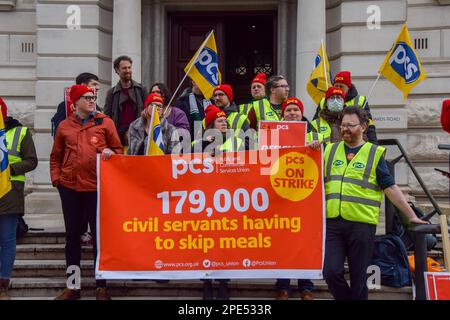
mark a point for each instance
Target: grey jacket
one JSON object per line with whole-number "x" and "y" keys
{"x": 137, "y": 137}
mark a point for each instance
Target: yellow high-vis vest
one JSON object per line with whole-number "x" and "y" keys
{"x": 351, "y": 189}
{"x": 14, "y": 139}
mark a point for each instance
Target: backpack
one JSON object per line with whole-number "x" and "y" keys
{"x": 390, "y": 256}
{"x": 22, "y": 228}
{"x": 407, "y": 238}
{"x": 59, "y": 116}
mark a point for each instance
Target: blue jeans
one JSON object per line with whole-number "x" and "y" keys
{"x": 8, "y": 226}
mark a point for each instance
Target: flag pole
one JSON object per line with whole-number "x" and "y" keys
{"x": 150, "y": 129}
{"x": 192, "y": 64}
{"x": 324, "y": 64}
{"x": 371, "y": 90}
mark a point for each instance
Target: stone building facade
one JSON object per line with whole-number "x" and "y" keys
{"x": 42, "y": 49}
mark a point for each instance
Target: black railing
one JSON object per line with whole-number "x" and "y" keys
{"x": 419, "y": 232}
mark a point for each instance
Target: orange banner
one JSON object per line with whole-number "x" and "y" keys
{"x": 282, "y": 134}
{"x": 239, "y": 216}
{"x": 437, "y": 285}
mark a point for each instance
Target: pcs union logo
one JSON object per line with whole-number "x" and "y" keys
{"x": 404, "y": 62}
{"x": 359, "y": 165}
{"x": 338, "y": 163}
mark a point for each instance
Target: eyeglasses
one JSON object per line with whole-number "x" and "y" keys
{"x": 219, "y": 94}
{"x": 90, "y": 98}
{"x": 349, "y": 126}
{"x": 284, "y": 86}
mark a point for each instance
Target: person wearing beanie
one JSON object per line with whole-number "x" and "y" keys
{"x": 22, "y": 158}
{"x": 292, "y": 110}
{"x": 257, "y": 90}
{"x": 269, "y": 108}
{"x": 138, "y": 131}
{"x": 343, "y": 81}
{"x": 445, "y": 115}
{"x": 87, "y": 79}
{"x": 73, "y": 171}
{"x": 223, "y": 99}
{"x": 125, "y": 101}
{"x": 217, "y": 137}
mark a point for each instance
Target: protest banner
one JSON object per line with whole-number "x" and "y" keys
{"x": 188, "y": 217}
{"x": 437, "y": 285}
{"x": 285, "y": 134}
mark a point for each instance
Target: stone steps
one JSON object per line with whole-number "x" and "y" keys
{"x": 45, "y": 288}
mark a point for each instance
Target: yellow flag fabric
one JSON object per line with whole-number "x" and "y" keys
{"x": 203, "y": 68}
{"x": 402, "y": 66}
{"x": 5, "y": 182}
{"x": 317, "y": 83}
{"x": 155, "y": 146}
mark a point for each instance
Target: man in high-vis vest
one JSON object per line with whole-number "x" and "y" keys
{"x": 223, "y": 99}
{"x": 257, "y": 90}
{"x": 269, "y": 109}
{"x": 343, "y": 80}
{"x": 356, "y": 175}
{"x": 22, "y": 158}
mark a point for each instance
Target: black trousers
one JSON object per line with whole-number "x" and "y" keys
{"x": 354, "y": 241}
{"x": 78, "y": 206}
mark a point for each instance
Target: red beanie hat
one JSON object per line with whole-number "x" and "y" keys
{"x": 261, "y": 78}
{"x": 153, "y": 97}
{"x": 334, "y": 91}
{"x": 289, "y": 101}
{"x": 344, "y": 77}
{"x": 226, "y": 88}
{"x": 211, "y": 114}
{"x": 4, "y": 109}
{"x": 77, "y": 90}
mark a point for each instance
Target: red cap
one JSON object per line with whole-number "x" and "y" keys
{"x": 289, "y": 101}
{"x": 226, "y": 88}
{"x": 445, "y": 104}
{"x": 153, "y": 97}
{"x": 4, "y": 108}
{"x": 77, "y": 90}
{"x": 344, "y": 77}
{"x": 261, "y": 78}
{"x": 211, "y": 114}
{"x": 334, "y": 91}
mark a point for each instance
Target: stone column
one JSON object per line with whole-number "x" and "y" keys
{"x": 310, "y": 30}
{"x": 127, "y": 34}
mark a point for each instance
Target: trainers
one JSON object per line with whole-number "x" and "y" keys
{"x": 282, "y": 295}
{"x": 306, "y": 295}
{"x": 69, "y": 294}
{"x": 102, "y": 294}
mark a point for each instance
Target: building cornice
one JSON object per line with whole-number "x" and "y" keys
{"x": 7, "y": 5}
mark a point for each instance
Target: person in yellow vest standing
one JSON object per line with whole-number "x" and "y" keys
{"x": 22, "y": 158}
{"x": 269, "y": 109}
{"x": 257, "y": 90}
{"x": 343, "y": 81}
{"x": 356, "y": 175}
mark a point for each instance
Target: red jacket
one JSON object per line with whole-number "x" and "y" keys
{"x": 445, "y": 115}
{"x": 73, "y": 161}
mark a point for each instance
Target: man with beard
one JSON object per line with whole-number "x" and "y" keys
{"x": 124, "y": 102}
{"x": 356, "y": 175}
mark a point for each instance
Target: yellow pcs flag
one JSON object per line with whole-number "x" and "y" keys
{"x": 320, "y": 78}
{"x": 155, "y": 146}
{"x": 203, "y": 68}
{"x": 402, "y": 66}
{"x": 5, "y": 182}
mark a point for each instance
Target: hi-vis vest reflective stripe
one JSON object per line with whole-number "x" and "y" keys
{"x": 314, "y": 136}
{"x": 244, "y": 108}
{"x": 264, "y": 111}
{"x": 232, "y": 144}
{"x": 323, "y": 128}
{"x": 14, "y": 139}
{"x": 351, "y": 189}
{"x": 357, "y": 101}
{"x": 235, "y": 121}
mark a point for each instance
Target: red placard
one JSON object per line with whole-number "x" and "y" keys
{"x": 282, "y": 134}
